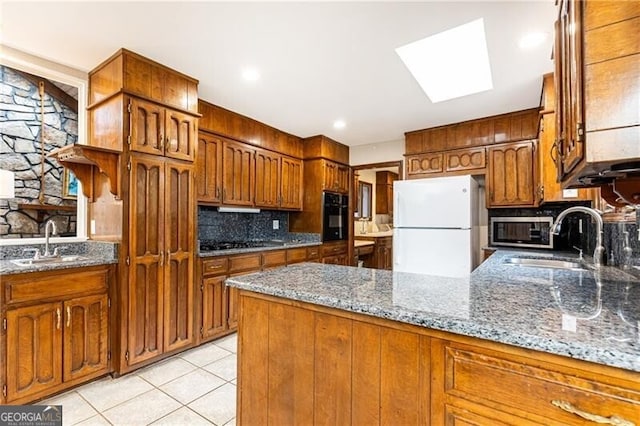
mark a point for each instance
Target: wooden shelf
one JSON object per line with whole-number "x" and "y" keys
{"x": 43, "y": 208}
{"x": 84, "y": 161}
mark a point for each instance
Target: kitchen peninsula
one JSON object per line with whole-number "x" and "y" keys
{"x": 507, "y": 345}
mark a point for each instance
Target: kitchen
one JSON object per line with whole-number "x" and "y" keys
{"x": 285, "y": 177}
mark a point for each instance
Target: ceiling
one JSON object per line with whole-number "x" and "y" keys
{"x": 318, "y": 61}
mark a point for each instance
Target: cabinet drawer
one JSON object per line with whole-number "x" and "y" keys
{"x": 296, "y": 255}
{"x": 54, "y": 284}
{"x": 313, "y": 253}
{"x": 274, "y": 258}
{"x": 245, "y": 262}
{"x": 215, "y": 266}
{"x": 491, "y": 380}
{"x": 332, "y": 249}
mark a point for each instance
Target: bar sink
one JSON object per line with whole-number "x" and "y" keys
{"x": 47, "y": 260}
{"x": 546, "y": 263}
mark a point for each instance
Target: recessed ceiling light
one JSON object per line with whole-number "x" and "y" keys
{"x": 450, "y": 64}
{"x": 250, "y": 74}
{"x": 532, "y": 40}
{"x": 339, "y": 124}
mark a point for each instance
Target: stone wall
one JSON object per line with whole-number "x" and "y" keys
{"x": 20, "y": 152}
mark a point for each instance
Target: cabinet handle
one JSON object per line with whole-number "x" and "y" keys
{"x": 161, "y": 139}
{"x": 554, "y": 150}
{"x": 161, "y": 257}
{"x": 612, "y": 420}
{"x": 168, "y": 256}
{"x": 57, "y": 318}
{"x": 214, "y": 267}
{"x": 68, "y": 316}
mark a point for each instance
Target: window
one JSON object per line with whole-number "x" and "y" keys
{"x": 55, "y": 196}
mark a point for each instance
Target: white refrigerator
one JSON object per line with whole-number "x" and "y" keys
{"x": 436, "y": 226}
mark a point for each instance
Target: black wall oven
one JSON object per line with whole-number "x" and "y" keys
{"x": 335, "y": 217}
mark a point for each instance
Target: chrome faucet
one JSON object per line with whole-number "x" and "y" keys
{"x": 50, "y": 224}
{"x": 598, "y": 253}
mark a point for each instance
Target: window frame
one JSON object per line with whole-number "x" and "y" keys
{"x": 22, "y": 61}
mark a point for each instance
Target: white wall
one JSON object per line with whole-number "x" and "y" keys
{"x": 381, "y": 152}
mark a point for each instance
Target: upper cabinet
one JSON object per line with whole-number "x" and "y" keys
{"x": 242, "y": 162}
{"x": 161, "y": 131}
{"x": 460, "y": 148}
{"x": 597, "y": 79}
{"x": 336, "y": 177}
{"x": 511, "y": 179}
{"x": 384, "y": 191}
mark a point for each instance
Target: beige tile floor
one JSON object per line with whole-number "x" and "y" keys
{"x": 196, "y": 387}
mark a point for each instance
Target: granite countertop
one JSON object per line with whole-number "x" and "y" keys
{"x": 361, "y": 243}
{"x": 89, "y": 254}
{"x": 271, "y": 246}
{"x": 587, "y": 315}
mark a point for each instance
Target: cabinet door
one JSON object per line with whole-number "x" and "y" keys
{"x": 232, "y": 306}
{"x": 424, "y": 164}
{"x": 209, "y": 169}
{"x": 85, "y": 336}
{"x": 511, "y": 177}
{"x": 330, "y": 176}
{"x": 34, "y": 349}
{"x": 146, "y": 253}
{"x": 343, "y": 179}
{"x": 238, "y": 174}
{"x": 214, "y": 307}
{"x": 179, "y": 253}
{"x": 180, "y": 138}
{"x": 569, "y": 86}
{"x": 146, "y": 127}
{"x": 466, "y": 159}
{"x": 291, "y": 183}
{"x": 267, "y": 179}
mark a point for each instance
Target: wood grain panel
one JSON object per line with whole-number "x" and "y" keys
{"x": 106, "y": 79}
{"x": 214, "y": 307}
{"x": 332, "y": 370}
{"x": 291, "y": 366}
{"x": 602, "y": 12}
{"x": 50, "y": 285}
{"x": 106, "y": 124}
{"x": 614, "y": 41}
{"x": 86, "y": 336}
{"x": 253, "y": 350}
{"x": 34, "y": 349}
{"x": 612, "y": 90}
{"x": 209, "y": 169}
{"x": 273, "y": 258}
{"x": 366, "y": 380}
{"x": 267, "y": 181}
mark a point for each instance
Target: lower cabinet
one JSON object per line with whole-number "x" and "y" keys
{"x": 344, "y": 368}
{"x": 335, "y": 253}
{"x": 382, "y": 257}
{"x": 219, "y": 303}
{"x": 57, "y": 331}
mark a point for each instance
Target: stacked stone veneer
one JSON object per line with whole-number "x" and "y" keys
{"x": 20, "y": 152}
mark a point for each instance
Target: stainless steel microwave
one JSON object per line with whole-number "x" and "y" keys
{"x": 533, "y": 232}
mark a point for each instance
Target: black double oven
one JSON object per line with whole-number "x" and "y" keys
{"x": 335, "y": 217}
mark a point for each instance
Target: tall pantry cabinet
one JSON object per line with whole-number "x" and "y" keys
{"x": 148, "y": 114}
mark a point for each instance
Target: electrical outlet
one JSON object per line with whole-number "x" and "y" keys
{"x": 276, "y": 224}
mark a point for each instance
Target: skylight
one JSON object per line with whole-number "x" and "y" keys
{"x": 450, "y": 64}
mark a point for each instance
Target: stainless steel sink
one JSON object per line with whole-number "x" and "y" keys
{"x": 545, "y": 263}
{"x": 47, "y": 260}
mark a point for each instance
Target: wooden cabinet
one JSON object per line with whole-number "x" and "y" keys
{"x": 291, "y": 183}
{"x": 161, "y": 131}
{"x": 423, "y": 165}
{"x": 470, "y": 378}
{"x": 238, "y": 174}
{"x": 209, "y": 169}
{"x": 160, "y": 285}
{"x": 548, "y": 153}
{"x": 57, "y": 331}
{"x": 267, "y": 192}
{"x": 386, "y": 372}
{"x": 569, "y": 81}
{"x": 382, "y": 257}
{"x": 465, "y": 160}
{"x": 335, "y": 253}
{"x": 384, "y": 192}
{"x": 597, "y": 76}
{"x": 512, "y": 174}
{"x": 336, "y": 177}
